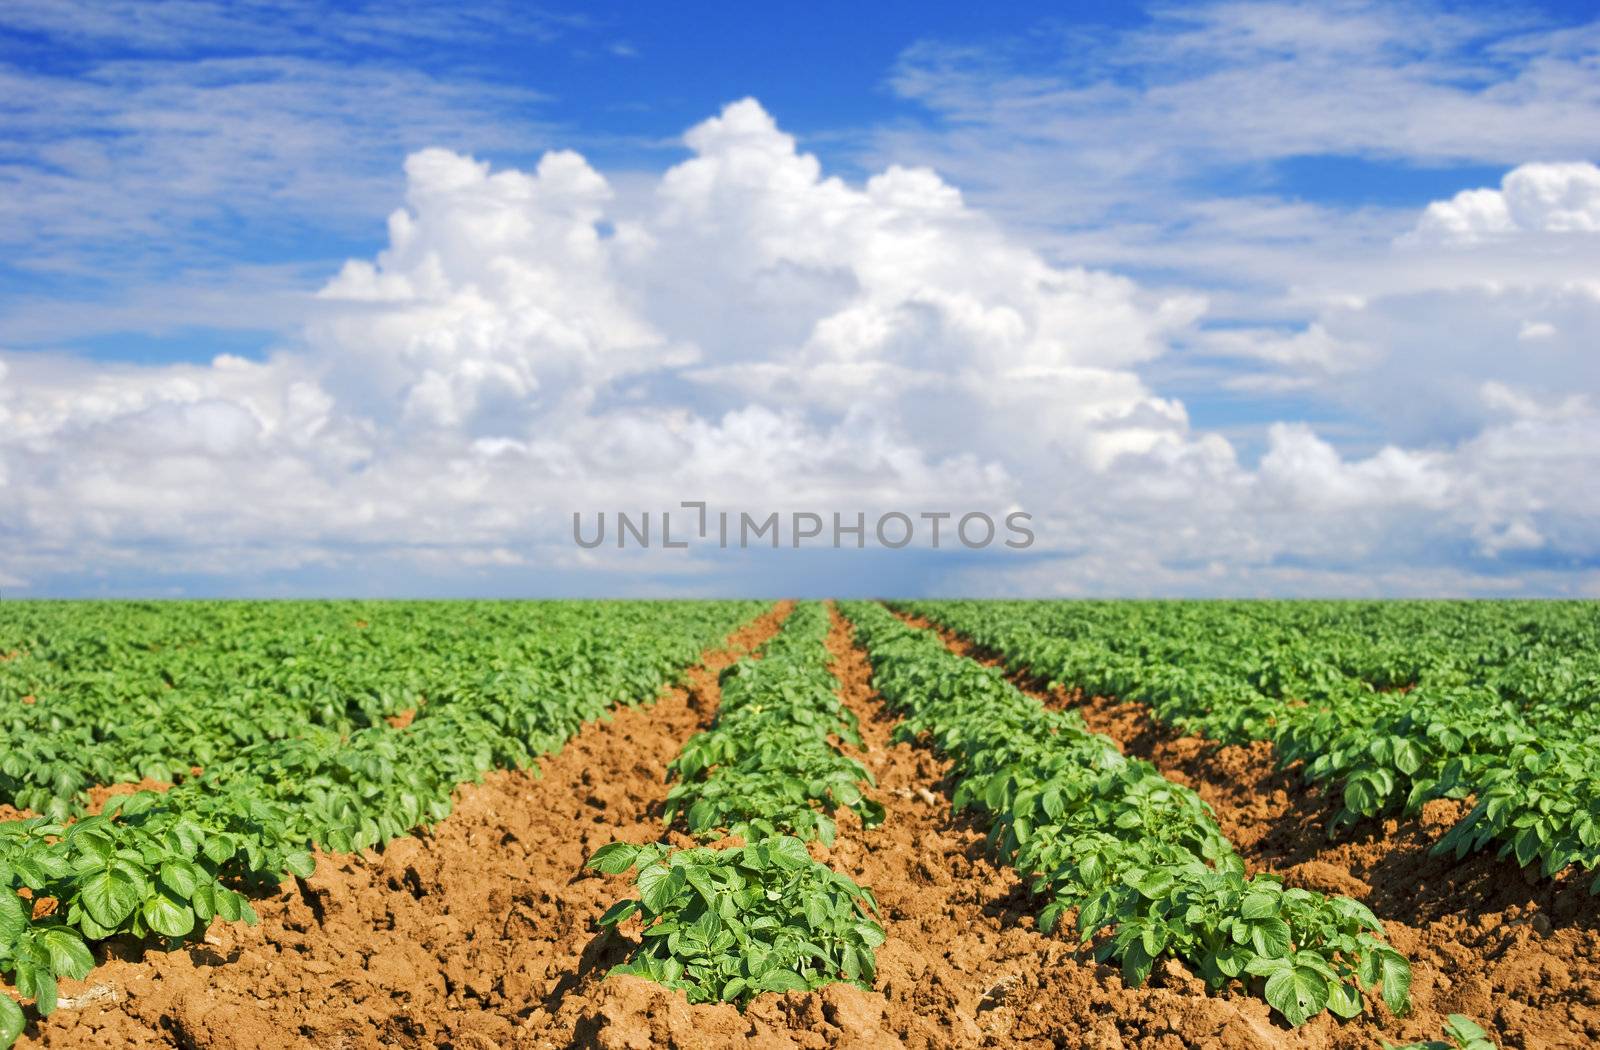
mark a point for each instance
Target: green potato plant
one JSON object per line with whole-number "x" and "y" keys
{"x": 724, "y": 925}
{"x": 1390, "y": 704}
{"x": 769, "y": 763}
{"x": 165, "y": 865}
{"x": 1140, "y": 858}
{"x": 1461, "y": 1033}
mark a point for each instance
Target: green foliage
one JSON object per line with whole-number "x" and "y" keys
{"x": 1140, "y": 858}
{"x": 768, "y": 765}
{"x": 166, "y": 865}
{"x": 1391, "y": 703}
{"x": 114, "y": 692}
{"x": 1460, "y": 1034}
{"x": 728, "y": 924}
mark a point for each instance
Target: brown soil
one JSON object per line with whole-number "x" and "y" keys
{"x": 99, "y": 795}
{"x": 963, "y": 964}
{"x": 1509, "y": 949}
{"x": 480, "y": 933}
{"x": 465, "y": 935}
{"x": 102, "y": 794}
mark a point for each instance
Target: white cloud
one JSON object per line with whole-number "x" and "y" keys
{"x": 178, "y": 26}
{"x": 1071, "y": 127}
{"x": 1532, "y": 198}
{"x": 749, "y": 330}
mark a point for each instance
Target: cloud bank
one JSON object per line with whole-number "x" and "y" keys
{"x": 749, "y": 330}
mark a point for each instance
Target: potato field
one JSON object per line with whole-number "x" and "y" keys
{"x": 800, "y": 824}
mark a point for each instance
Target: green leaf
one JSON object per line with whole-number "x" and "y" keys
{"x": 1343, "y": 999}
{"x": 1154, "y": 884}
{"x": 219, "y": 849}
{"x": 179, "y": 877}
{"x": 69, "y": 956}
{"x": 230, "y": 905}
{"x": 12, "y": 1020}
{"x": 13, "y": 918}
{"x": 41, "y": 984}
{"x": 792, "y": 849}
{"x": 1407, "y": 757}
{"x": 781, "y": 981}
{"x": 613, "y": 859}
{"x": 1396, "y": 980}
{"x": 1467, "y": 1033}
{"x": 1257, "y": 905}
{"x": 658, "y": 885}
{"x": 1136, "y": 964}
{"x": 1298, "y": 993}
{"x": 299, "y": 863}
{"x": 167, "y": 916}
{"x": 618, "y": 912}
{"x": 110, "y": 895}
{"x": 1270, "y": 937}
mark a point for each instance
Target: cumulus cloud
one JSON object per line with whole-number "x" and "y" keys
{"x": 1533, "y": 198}
{"x": 749, "y": 330}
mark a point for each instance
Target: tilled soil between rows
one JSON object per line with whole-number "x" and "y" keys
{"x": 480, "y": 933}
{"x": 963, "y": 964}
{"x": 1504, "y": 946}
{"x": 458, "y": 936}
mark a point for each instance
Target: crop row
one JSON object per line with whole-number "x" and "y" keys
{"x": 769, "y": 764}
{"x": 109, "y": 693}
{"x": 726, "y": 924}
{"x": 1388, "y": 709}
{"x": 1140, "y": 858}
{"x": 167, "y": 864}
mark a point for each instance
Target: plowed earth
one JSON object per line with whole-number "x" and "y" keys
{"x": 466, "y": 935}
{"x": 1517, "y": 953}
{"x": 480, "y": 932}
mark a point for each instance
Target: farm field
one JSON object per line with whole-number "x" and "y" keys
{"x": 485, "y": 824}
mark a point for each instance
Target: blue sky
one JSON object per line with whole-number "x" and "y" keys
{"x": 1290, "y": 313}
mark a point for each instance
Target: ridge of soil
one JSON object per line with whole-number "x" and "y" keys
{"x": 963, "y": 964}
{"x": 1517, "y": 953}
{"x": 479, "y": 933}
{"x": 455, "y": 936}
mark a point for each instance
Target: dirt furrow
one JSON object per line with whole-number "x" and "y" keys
{"x": 964, "y": 964}
{"x": 1485, "y": 938}
{"x": 465, "y": 935}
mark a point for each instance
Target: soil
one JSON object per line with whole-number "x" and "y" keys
{"x": 1517, "y": 953}
{"x": 480, "y": 933}
{"x": 463, "y": 935}
{"x": 102, "y": 794}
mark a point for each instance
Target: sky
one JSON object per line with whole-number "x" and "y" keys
{"x": 370, "y": 299}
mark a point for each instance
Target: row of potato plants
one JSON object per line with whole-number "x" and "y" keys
{"x": 112, "y": 692}
{"x": 1140, "y": 858}
{"x": 726, "y": 924}
{"x": 1391, "y": 704}
{"x": 166, "y": 865}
